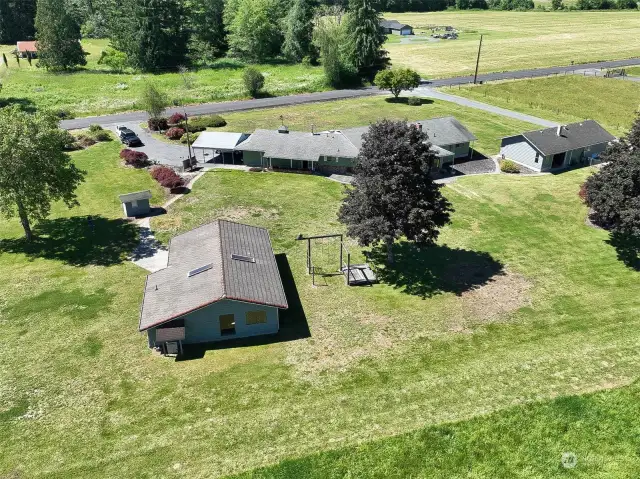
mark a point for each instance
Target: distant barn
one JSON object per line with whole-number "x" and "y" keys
{"x": 26, "y": 49}
{"x": 394, "y": 27}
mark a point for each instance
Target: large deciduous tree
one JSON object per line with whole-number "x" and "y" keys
{"x": 397, "y": 79}
{"x": 58, "y": 36}
{"x": 34, "y": 169}
{"x": 393, "y": 194}
{"x": 298, "y": 33}
{"x": 209, "y": 40}
{"x": 330, "y": 37}
{"x": 254, "y": 32}
{"x": 367, "y": 37}
{"x": 153, "y": 33}
{"x": 17, "y": 20}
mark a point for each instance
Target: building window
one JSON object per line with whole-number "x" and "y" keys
{"x": 227, "y": 324}
{"x": 537, "y": 158}
{"x": 256, "y": 317}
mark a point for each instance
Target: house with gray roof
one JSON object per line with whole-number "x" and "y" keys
{"x": 394, "y": 27}
{"x": 336, "y": 150}
{"x": 558, "y": 147}
{"x": 221, "y": 282}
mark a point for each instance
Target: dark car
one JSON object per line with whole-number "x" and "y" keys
{"x": 128, "y": 137}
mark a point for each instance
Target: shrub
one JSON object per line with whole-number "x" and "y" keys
{"x": 201, "y": 123}
{"x": 174, "y": 133}
{"x": 192, "y": 137}
{"x": 64, "y": 114}
{"x": 101, "y": 135}
{"x": 176, "y": 119}
{"x": 582, "y": 193}
{"x": 167, "y": 177}
{"x": 84, "y": 141}
{"x": 509, "y": 166}
{"x": 253, "y": 81}
{"x": 137, "y": 159}
{"x": 157, "y": 124}
{"x": 93, "y": 128}
{"x": 414, "y": 101}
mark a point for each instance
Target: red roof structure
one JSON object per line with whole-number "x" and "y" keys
{"x": 24, "y": 47}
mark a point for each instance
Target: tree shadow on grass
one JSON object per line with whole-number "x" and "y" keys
{"x": 24, "y": 103}
{"x": 404, "y": 100}
{"x": 78, "y": 241}
{"x": 427, "y": 271}
{"x": 293, "y": 322}
{"x": 627, "y": 248}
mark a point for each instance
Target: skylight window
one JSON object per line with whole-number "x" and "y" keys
{"x": 246, "y": 259}
{"x": 199, "y": 270}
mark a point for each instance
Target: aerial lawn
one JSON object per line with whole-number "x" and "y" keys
{"x": 566, "y": 98}
{"x": 633, "y": 71}
{"x": 93, "y": 90}
{"x": 487, "y": 127}
{"x": 516, "y": 40}
{"x": 520, "y": 302}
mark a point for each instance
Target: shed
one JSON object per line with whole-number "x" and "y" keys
{"x": 558, "y": 147}
{"x": 222, "y": 282}
{"x": 136, "y": 204}
{"x": 394, "y": 27}
{"x": 24, "y": 49}
{"x": 219, "y": 146}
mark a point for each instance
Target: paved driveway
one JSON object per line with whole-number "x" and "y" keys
{"x": 157, "y": 150}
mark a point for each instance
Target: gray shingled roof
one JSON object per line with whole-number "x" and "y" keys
{"x": 171, "y": 293}
{"x": 393, "y": 24}
{"x": 297, "y": 145}
{"x": 573, "y": 136}
{"x": 139, "y": 195}
{"x": 441, "y": 132}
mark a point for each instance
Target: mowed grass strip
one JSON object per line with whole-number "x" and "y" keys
{"x": 487, "y": 127}
{"x": 94, "y": 90}
{"x": 599, "y": 431}
{"x": 520, "y": 302}
{"x": 516, "y": 40}
{"x": 566, "y": 98}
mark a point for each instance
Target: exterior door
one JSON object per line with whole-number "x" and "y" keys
{"x": 558, "y": 160}
{"x": 227, "y": 324}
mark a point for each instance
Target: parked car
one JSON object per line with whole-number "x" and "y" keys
{"x": 128, "y": 136}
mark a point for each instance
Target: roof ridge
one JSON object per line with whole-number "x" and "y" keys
{"x": 222, "y": 261}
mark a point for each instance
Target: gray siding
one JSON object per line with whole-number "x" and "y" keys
{"x": 203, "y": 325}
{"x": 518, "y": 149}
{"x": 461, "y": 150}
{"x": 252, "y": 158}
{"x": 136, "y": 208}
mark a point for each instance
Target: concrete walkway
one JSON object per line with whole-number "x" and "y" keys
{"x": 438, "y": 95}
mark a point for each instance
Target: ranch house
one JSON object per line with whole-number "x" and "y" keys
{"x": 221, "y": 282}
{"x": 394, "y": 27}
{"x": 559, "y": 147}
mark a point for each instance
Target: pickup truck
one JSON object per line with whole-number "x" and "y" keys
{"x": 128, "y": 136}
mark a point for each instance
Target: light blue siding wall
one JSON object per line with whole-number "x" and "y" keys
{"x": 519, "y": 150}
{"x": 461, "y": 151}
{"x": 140, "y": 208}
{"x": 203, "y": 326}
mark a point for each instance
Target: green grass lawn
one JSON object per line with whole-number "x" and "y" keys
{"x": 334, "y": 115}
{"x": 519, "y": 303}
{"x": 94, "y": 91}
{"x": 600, "y": 430}
{"x": 633, "y": 71}
{"x": 612, "y": 102}
{"x": 517, "y": 40}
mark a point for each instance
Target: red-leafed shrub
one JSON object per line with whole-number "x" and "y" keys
{"x": 156, "y": 124}
{"x": 137, "y": 159}
{"x": 174, "y": 133}
{"x": 167, "y": 177}
{"x": 176, "y": 118}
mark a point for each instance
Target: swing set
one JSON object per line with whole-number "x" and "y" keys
{"x": 355, "y": 274}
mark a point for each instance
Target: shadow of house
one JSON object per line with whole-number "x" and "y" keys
{"x": 78, "y": 241}
{"x": 293, "y": 322}
{"x": 427, "y": 271}
{"x": 627, "y": 248}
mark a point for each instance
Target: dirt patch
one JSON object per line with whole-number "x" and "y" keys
{"x": 500, "y": 295}
{"x": 238, "y": 213}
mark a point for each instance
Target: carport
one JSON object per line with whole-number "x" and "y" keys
{"x": 218, "y": 147}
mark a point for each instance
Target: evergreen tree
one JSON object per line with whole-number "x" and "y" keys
{"x": 254, "y": 33}
{"x": 152, "y": 33}
{"x": 209, "y": 36}
{"x": 17, "y": 20}
{"x": 58, "y": 36}
{"x": 367, "y": 37}
{"x": 393, "y": 194}
{"x": 299, "y": 31}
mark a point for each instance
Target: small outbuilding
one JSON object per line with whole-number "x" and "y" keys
{"x": 218, "y": 147}
{"x": 222, "y": 282}
{"x": 136, "y": 204}
{"x": 394, "y": 27}
{"x": 558, "y": 147}
{"x": 26, "y": 49}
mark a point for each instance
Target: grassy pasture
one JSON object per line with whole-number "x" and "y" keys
{"x": 517, "y": 40}
{"x": 520, "y": 302}
{"x": 95, "y": 91}
{"x": 612, "y": 102}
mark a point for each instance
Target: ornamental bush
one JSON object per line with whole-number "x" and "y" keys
{"x": 176, "y": 119}
{"x": 157, "y": 124}
{"x": 137, "y": 159}
{"x": 253, "y": 81}
{"x": 167, "y": 177}
{"x": 174, "y": 133}
{"x": 192, "y": 137}
{"x": 93, "y": 128}
{"x": 101, "y": 135}
{"x": 414, "y": 101}
{"x": 509, "y": 166}
{"x": 201, "y": 123}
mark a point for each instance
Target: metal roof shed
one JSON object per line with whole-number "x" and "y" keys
{"x": 136, "y": 204}
{"x": 221, "y": 145}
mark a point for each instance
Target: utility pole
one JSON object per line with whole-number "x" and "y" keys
{"x": 475, "y": 77}
{"x": 186, "y": 125}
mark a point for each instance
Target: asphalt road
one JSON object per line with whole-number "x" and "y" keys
{"x": 230, "y": 106}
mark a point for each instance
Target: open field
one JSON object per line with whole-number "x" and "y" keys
{"x": 94, "y": 91}
{"x": 517, "y": 40}
{"x": 633, "y": 71}
{"x": 525, "y": 441}
{"x": 612, "y": 102}
{"x": 520, "y": 302}
{"x": 334, "y": 115}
